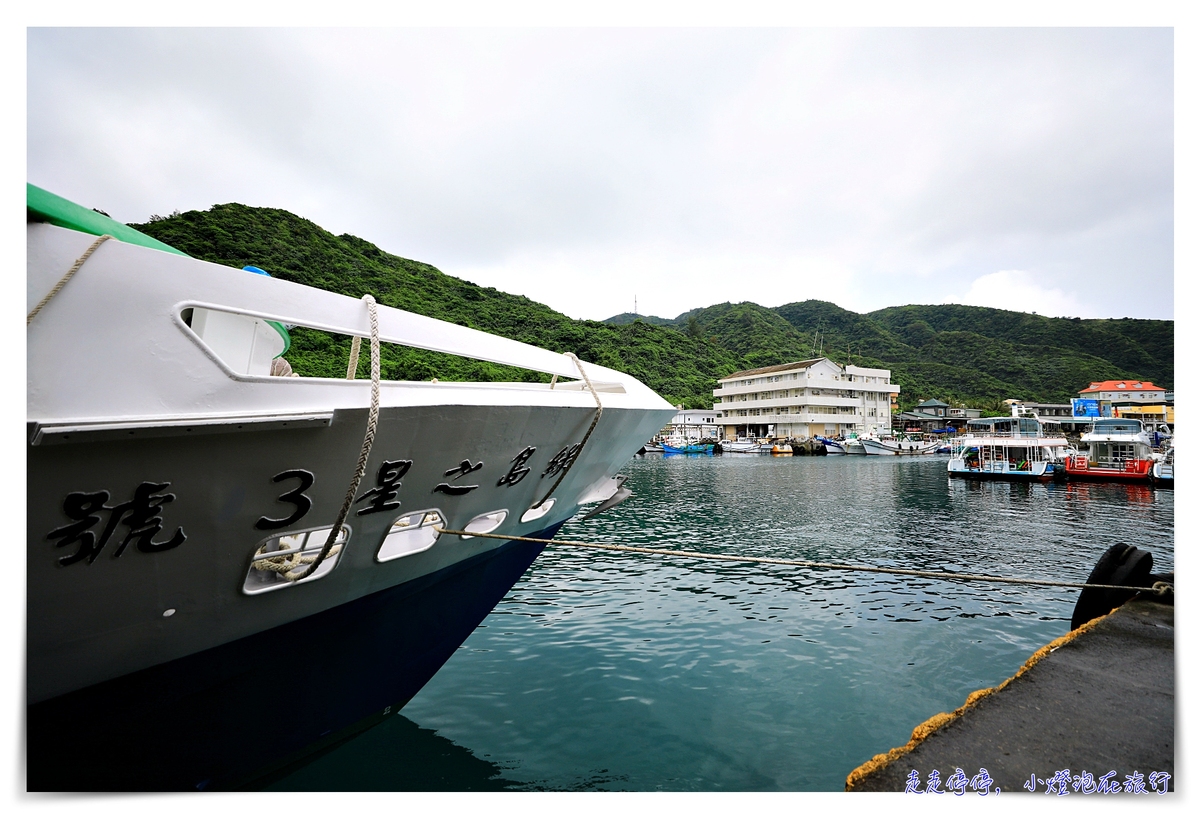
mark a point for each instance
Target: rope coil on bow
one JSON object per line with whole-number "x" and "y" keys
{"x": 286, "y": 564}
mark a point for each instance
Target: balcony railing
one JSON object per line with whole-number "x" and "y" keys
{"x": 807, "y": 417}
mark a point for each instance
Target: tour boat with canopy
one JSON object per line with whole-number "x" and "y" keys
{"x": 1008, "y": 448}
{"x": 1115, "y": 449}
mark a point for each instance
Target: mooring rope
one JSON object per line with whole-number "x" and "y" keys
{"x": 595, "y": 420}
{"x": 1159, "y": 588}
{"x": 352, "y": 364}
{"x": 286, "y": 563}
{"x": 62, "y": 282}
{"x": 368, "y": 441}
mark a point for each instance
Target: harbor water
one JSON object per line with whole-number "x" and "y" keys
{"x": 610, "y": 671}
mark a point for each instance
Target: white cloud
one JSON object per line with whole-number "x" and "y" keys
{"x": 872, "y": 166}
{"x": 1020, "y": 291}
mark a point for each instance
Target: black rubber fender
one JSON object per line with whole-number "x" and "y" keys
{"x": 1120, "y": 565}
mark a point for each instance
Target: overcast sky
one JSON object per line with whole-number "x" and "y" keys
{"x": 1024, "y": 168}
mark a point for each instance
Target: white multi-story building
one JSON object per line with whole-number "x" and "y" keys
{"x": 805, "y": 399}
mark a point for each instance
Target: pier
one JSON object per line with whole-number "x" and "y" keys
{"x": 1099, "y": 699}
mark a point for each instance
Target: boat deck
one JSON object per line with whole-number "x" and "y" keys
{"x": 1100, "y": 698}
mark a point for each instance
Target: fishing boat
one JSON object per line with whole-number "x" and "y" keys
{"x": 230, "y": 569}
{"x": 885, "y": 445}
{"x": 1114, "y": 449}
{"x": 740, "y": 446}
{"x": 676, "y": 446}
{"x": 1008, "y": 448}
{"x": 831, "y": 445}
{"x": 854, "y": 445}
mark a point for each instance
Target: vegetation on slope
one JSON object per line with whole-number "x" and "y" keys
{"x": 980, "y": 356}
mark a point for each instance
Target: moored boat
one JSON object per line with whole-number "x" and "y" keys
{"x": 898, "y": 445}
{"x": 740, "y": 446}
{"x": 1163, "y": 470}
{"x": 854, "y": 445}
{"x": 678, "y": 445}
{"x": 227, "y": 568}
{"x": 1008, "y": 448}
{"x": 832, "y": 446}
{"x": 1114, "y": 449}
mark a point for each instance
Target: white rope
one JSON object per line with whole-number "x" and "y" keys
{"x": 1158, "y": 588}
{"x": 595, "y": 420}
{"x": 264, "y": 561}
{"x": 352, "y": 365}
{"x": 62, "y": 282}
{"x": 368, "y": 441}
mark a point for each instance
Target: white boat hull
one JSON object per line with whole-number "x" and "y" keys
{"x": 833, "y": 447}
{"x": 957, "y": 467}
{"x": 740, "y": 447}
{"x": 898, "y": 447}
{"x": 1163, "y": 470}
{"x": 157, "y": 470}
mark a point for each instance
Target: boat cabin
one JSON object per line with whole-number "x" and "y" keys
{"x": 1113, "y": 442}
{"x": 1108, "y": 426}
{"x": 1005, "y": 427}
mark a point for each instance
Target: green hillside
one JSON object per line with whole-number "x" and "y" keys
{"x": 1144, "y": 347}
{"x": 681, "y": 368}
{"x": 972, "y": 355}
{"x": 980, "y": 356}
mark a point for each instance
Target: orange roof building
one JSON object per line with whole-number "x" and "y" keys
{"x": 1126, "y": 388}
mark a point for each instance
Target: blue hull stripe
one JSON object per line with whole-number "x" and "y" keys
{"x": 218, "y": 717}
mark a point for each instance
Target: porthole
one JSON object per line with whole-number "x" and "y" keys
{"x": 276, "y": 557}
{"x": 411, "y": 534}
{"x": 538, "y": 512}
{"x": 485, "y": 523}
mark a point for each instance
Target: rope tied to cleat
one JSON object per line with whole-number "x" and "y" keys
{"x": 1158, "y": 588}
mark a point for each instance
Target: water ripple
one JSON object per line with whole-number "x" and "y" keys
{"x": 605, "y": 670}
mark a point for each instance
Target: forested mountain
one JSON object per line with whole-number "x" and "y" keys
{"x": 959, "y": 354}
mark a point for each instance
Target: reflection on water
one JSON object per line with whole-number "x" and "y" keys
{"x": 631, "y": 672}
{"x": 398, "y": 756}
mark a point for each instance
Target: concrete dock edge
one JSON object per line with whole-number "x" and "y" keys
{"x": 1098, "y": 700}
